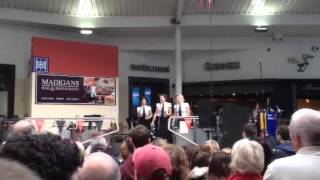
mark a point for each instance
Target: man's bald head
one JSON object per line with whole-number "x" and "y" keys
{"x": 23, "y": 127}
{"x": 305, "y": 125}
{"x": 99, "y": 166}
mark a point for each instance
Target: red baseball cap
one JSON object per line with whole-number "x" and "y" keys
{"x": 150, "y": 158}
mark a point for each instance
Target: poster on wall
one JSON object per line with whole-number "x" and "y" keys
{"x": 61, "y": 89}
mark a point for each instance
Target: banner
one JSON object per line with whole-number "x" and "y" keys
{"x": 60, "y": 89}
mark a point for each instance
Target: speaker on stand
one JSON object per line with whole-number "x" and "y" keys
{"x": 208, "y": 119}
{"x": 233, "y": 119}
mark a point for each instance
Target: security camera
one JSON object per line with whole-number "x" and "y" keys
{"x": 174, "y": 21}
{"x": 277, "y": 36}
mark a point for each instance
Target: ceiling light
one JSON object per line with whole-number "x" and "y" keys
{"x": 86, "y": 31}
{"x": 85, "y": 8}
{"x": 258, "y": 7}
{"x": 261, "y": 29}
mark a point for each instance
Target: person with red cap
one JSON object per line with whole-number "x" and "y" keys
{"x": 152, "y": 163}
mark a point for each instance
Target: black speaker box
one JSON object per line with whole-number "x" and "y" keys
{"x": 206, "y": 113}
{"x": 233, "y": 120}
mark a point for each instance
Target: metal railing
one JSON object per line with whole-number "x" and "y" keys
{"x": 173, "y": 120}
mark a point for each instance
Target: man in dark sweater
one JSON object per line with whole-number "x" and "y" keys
{"x": 284, "y": 148}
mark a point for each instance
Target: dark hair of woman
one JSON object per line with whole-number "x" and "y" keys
{"x": 219, "y": 166}
{"x": 144, "y": 98}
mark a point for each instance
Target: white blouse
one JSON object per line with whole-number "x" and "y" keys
{"x": 167, "y": 106}
{"x": 184, "y": 109}
{"x": 147, "y": 110}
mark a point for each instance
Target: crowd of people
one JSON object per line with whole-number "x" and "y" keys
{"x": 29, "y": 155}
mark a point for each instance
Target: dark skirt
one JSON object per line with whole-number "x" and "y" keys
{"x": 145, "y": 122}
{"x": 162, "y": 131}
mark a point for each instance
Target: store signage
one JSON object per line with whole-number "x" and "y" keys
{"x": 40, "y": 64}
{"x": 149, "y": 68}
{"x": 222, "y": 66}
{"x": 75, "y": 89}
{"x": 310, "y": 87}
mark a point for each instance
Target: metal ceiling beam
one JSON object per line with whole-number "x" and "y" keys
{"x": 41, "y": 18}
{"x": 179, "y": 12}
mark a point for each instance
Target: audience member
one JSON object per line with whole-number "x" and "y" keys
{"x": 211, "y": 146}
{"x": 48, "y": 155}
{"x": 284, "y": 148}
{"x": 99, "y": 144}
{"x": 214, "y": 144}
{"x": 126, "y": 149}
{"x": 140, "y": 136}
{"x": 158, "y": 141}
{"x": 219, "y": 166}
{"x": 199, "y": 165}
{"x": 99, "y": 166}
{"x": 22, "y": 127}
{"x": 226, "y": 150}
{"x": 247, "y": 160}
{"x": 179, "y": 161}
{"x": 82, "y": 150}
{"x": 126, "y": 169}
{"x": 190, "y": 149}
{"x": 152, "y": 163}
{"x": 11, "y": 170}
{"x": 305, "y": 135}
{"x": 250, "y": 131}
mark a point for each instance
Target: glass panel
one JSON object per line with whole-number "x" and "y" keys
{"x": 147, "y": 94}
{"x": 135, "y": 96}
{"x": 3, "y": 104}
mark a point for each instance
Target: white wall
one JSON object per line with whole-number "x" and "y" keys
{"x": 274, "y": 62}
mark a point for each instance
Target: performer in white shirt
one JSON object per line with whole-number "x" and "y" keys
{"x": 160, "y": 118}
{"x": 144, "y": 113}
{"x": 181, "y": 108}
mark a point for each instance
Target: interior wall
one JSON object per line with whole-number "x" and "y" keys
{"x": 4, "y": 103}
{"x": 164, "y": 58}
{"x": 15, "y": 48}
{"x": 272, "y": 56}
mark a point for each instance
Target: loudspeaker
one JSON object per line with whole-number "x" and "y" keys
{"x": 206, "y": 114}
{"x": 233, "y": 120}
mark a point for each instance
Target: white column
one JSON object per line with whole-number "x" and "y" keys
{"x": 178, "y": 62}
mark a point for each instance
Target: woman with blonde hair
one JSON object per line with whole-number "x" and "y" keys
{"x": 211, "y": 146}
{"x": 247, "y": 160}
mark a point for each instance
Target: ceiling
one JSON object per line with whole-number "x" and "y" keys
{"x": 163, "y": 7}
{"x": 151, "y": 18}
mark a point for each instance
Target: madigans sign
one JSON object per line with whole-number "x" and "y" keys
{"x": 149, "y": 68}
{"x": 222, "y": 66}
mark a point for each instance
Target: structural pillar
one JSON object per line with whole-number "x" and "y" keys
{"x": 178, "y": 61}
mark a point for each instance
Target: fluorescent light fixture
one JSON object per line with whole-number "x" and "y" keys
{"x": 86, "y": 31}
{"x": 261, "y": 29}
{"x": 258, "y": 7}
{"x": 85, "y": 8}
